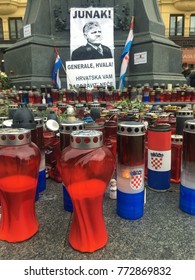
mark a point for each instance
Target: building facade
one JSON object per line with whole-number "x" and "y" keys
{"x": 179, "y": 19}
{"x": 11, "y": 18}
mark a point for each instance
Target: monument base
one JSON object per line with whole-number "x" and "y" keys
{"x": 153, "y": 78}
{"x": 30, "y": 61}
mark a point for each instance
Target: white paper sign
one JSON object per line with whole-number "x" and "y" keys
{"x": 82, "y": 17}
{"x": 90, "y": 73}
{"x": 140, "y": 58}
{"x": 27, "y": 30}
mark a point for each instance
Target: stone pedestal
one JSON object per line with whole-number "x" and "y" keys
{"x": 31, "y": 59}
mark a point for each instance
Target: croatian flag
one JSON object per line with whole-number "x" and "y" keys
{"x": 55, "y": 73}
{"x": 125, "y": 56}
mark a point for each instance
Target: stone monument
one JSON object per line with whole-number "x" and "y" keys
{"x": 153, "y": 57}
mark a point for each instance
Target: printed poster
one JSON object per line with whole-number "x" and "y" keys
{"x": 91, "y": 47}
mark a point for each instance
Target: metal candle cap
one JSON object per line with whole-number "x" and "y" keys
{"x": 185, "y": 113}
{"x": 13, "y": 106}
{"x": 95, "y": 105}
{"x": 14, "y": 136}
{"x": 69, "y": 127}
{"x": 189, "y": 126}
{"x": 130, "y": 128}
{"x": 79, "y": 106}
{"x": 163, "y": 116}
{"x": 176, "y": 139}
{"x": 94, "y": 125}
{"x": 39, "y": 121}
{"x": 161, "y": 127}
{"x": 62, "y": 105}
{"x": 114, "y": 111}
{"x": 86, "y": 139}
{"x": 3, "y": 119}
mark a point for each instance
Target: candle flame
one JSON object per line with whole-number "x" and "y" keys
{"x": 126, "y": 174}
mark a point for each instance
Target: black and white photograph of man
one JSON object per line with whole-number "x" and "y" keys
{"x": 92, "y": 34}
{"x": 94, "y": 49}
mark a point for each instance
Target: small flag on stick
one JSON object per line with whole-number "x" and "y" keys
{"x": 56, "y": 71}
{"x": 125, "y": 55}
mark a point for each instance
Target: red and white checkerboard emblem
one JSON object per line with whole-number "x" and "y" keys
{"x": 156, "y": 162}
{"x": 136, "y": 181}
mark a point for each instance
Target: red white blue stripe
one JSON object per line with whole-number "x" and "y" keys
{"x": 159, "y": 159}
{"x": 56, "y": 71}
{"x": 125, "y": 56}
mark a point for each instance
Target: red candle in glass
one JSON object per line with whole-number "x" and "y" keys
{"x": 174, "y": 95}
{"x": 95, "y": 126}
{"x": 172, "y": 122}
{"x": 152, "y": 96}
{"x": 31, "y": 96}
{"x": 115, "y": 95}
{"x": 178, "y": 97}
{"x": 66, "y": 128}
{"x": 54, "y": 96}
{"x": 37, "y": 97}
{"x": 111, "y": 134}
{"x": 168, "y": 95}
{"x": 89, "y": 96}
{"x": 176, "y": 153}
{"x": 80, "y": 110}
{"x": 109, "y": 96}
{"x": 82, "y": 94}
{"x": 188, "y": 93}
{"x": 19, "y": 168}
{"x": 193, "y": 95}
{"x": 86, "y": 169}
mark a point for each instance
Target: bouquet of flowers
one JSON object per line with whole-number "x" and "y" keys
{"x": 4, "y": 81}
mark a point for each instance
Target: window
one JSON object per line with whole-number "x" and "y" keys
{"x": 176, "y": 25}
{"x": 1, "y": 29}
{"x": 15, "y": 24}
{"x": 192, "y": 25}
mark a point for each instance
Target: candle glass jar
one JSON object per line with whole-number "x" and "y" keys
{"x": 146, "y": 93}
{"x": 159, "y": 156}
{"x": 174, "y": 95}
{"x": 96, "y": 126}
{"x": 188, "y": 94}
{"x": 176, "y": 152}
{"x": 187, "y": 187}
{"x": 152, "y": 95}
{"x": 41, "y": 186}
{"x": 37, "y": 97}
{"x": 95, "y": 110}
{"x": 66, "y": 128}
{"x": 80, "y": 110}
{"x": 86, "y": 169}
{"x": 182, "y": 116}
{"x": 158, "y": 93}
{"x": 19, "y": 167}
{"x": 55, "y": 95}
{"x": 130, "y": 170}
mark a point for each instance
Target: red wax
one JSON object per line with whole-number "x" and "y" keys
{"x": 176, "y": 153}
{"x": 88, "y": 231}
{"x": 17, "y": 195}
{"x": 86, "y": 174}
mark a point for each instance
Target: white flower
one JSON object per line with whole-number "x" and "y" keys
{"x": 3, "y": 75}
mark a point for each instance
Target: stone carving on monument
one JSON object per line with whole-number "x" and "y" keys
{"x": 30, "y": 60}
